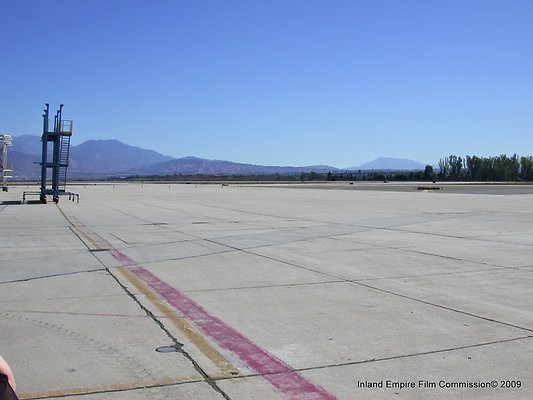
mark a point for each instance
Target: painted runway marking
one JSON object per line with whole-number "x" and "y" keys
{"x": 278, "y": 373}
{"x": 97, "y": 242}
{"x": 225, "y": 367}
{"x": 274, "y": 370}
{"x": 185, "y": 328}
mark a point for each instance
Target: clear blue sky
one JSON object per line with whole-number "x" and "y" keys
{"x": 277, "y": 82}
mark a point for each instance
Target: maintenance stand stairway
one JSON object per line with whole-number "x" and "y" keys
{"x": 55, "y": 161}
{"x": 7, "y": 140}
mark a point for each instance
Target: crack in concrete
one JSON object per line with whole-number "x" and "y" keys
{"x": 261, "y": 286}
{"x": 419, "y": 354}
{"x": 129, "y": 389}
{"x": 52, "y": 276}
{"x": 443, "y": 307}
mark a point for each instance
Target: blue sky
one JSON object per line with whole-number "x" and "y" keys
{"x": 277, "y": 82}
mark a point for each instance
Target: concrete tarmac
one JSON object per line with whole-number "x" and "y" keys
{"x": 269, "y": 292}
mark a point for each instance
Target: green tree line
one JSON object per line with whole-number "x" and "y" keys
{"x": 500, "y": 168}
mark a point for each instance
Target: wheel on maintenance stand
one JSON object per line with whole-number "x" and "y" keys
{"x": 56, "y": 199}
{"x": 43, "y": 198}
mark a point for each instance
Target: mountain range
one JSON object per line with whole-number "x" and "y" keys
{"x": 104, "y": 158}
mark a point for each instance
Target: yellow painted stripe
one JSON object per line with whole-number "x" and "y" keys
{"x": 226, "y": 368}
{"x": 86, "y": 236}
{"x": 93, "y": 244}
{"x": 116, "y": 387}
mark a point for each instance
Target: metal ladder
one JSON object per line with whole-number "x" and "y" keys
{"x": 64, "y": 150}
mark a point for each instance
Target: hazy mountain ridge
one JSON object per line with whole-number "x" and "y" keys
{"x": 23, "y": 164}
{"x": 104, "y": 158}
{"x": 201, "y": 166}
{"x": 389, "y": 163}
{"x": 28, "y": 144}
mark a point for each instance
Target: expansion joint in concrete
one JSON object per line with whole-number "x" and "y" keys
{"x": 442, "y": 307}
{"x": 401, "y": 356}
{"x": 35, "y": 278}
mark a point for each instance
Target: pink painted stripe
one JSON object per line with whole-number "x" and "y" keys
{"x": 118, "y": 255}
{"x": 121, "y": 257}
{"x": 274, "y": 370}
{"x": 280, "y": 375}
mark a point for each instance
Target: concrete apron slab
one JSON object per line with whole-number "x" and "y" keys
{"x": 47, "y": 264}
{"x": 29, "y": 253}
{"x": 502, "y": 295}
{"x": 496, "y": 223}
{"x": 485, "y": 250}
{"x": 81, "y": 334}
{"x": 356, "y": 261}
{"x": 232, "y": 270}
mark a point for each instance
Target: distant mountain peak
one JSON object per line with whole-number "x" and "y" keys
{"x": 191, "y": 158}
{"x": 390, "y": 163}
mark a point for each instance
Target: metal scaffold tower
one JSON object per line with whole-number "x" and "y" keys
{"x": 54, "y": 163}
{"x": 6, "y": 140}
